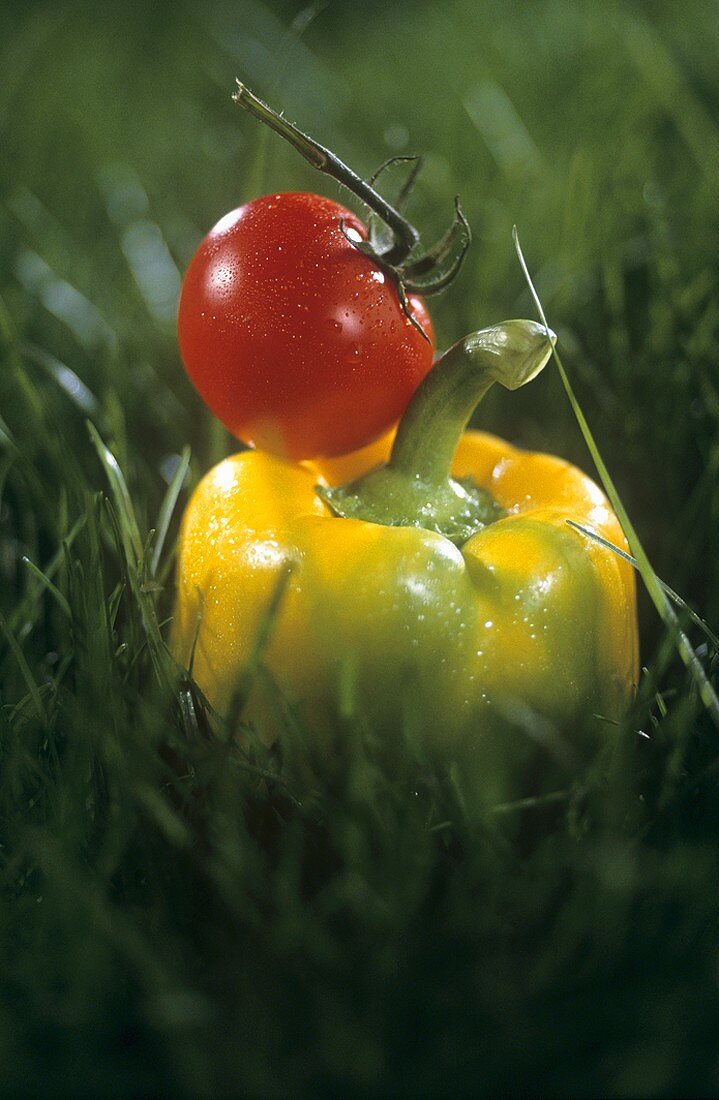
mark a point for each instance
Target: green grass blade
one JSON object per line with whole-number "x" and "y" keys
{"x": 48, "y": 585}
{"x": 136, "y": 559}
{"x": 126, "y": 514}
{"x": 31, "y": 599}
{"x": 24, "y": 667}
{"x": 644, "y": 567}
{"x": 167, "y": 508}
{"x": 673, "y": 596}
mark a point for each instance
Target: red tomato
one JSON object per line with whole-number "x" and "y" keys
{"x": 295, "y": 339}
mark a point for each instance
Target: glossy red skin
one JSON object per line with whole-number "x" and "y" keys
{"x": 294, "y": 338}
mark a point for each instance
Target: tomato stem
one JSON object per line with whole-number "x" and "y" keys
{"x": 324, "y": 160}
{"x": 392, "y": 250}
{"x": 415, "y": 161}
{"x": 438, "y": 254}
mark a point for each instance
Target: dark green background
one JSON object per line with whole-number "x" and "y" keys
{"x": 168, "y": 942}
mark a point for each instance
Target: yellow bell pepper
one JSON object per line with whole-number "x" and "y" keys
{"x": 450, "y": 605}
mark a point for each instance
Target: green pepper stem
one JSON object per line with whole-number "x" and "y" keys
{"x": 415, "y": 488}
{"x": 511, "y": 353}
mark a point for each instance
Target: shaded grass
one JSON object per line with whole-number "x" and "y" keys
{"x": 177, "y": 915}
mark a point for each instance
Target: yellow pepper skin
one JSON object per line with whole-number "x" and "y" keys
{"x": 398, "y": 624}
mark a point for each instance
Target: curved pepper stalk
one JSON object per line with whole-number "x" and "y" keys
{"x": 415, "y": 487}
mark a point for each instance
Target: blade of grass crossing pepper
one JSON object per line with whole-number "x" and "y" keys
{"x": 651, "y": 580}
{"x": 673, "y": 596}
{"x": 262, "y": 638}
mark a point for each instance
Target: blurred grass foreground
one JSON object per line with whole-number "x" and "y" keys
{"x": 175, "y": 918}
